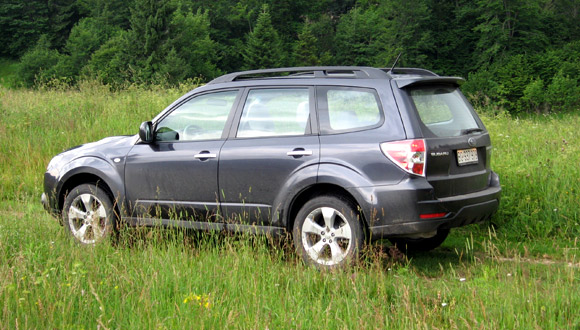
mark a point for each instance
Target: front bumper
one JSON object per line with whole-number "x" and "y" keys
{"x": 48, "y": 206}
{"x": 44, "y": 201}
{"x": 403, "y": 214}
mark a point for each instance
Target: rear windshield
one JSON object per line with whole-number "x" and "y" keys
{"x": 444, "y": 111}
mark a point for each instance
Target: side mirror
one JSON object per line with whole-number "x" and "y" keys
{"x": 146, "y": 132}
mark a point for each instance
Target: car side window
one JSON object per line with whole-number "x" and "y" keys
{"x": 200, "y": 118}
{"x": 275, "y": 112}
{"x": 348, "y": 109}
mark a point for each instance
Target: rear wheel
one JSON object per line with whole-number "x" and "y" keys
{"x": 420, "y": 244}
{"x": 88, "y": 214}
{"x": 328, "y": 232}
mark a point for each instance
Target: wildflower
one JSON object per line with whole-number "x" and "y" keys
{"x": 200, "y": 300}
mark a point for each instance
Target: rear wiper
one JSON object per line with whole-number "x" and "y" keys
{"x": 471, "y": 130}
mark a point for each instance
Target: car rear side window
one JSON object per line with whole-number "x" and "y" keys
{"x": 345, "y": 109}
{"x": 443, "y": 110}
{"x": 275, "y": 112}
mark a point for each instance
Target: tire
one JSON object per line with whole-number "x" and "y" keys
{"x": 328, "y": 232}
{"x": 420, "y": 244}
{"x": 88, "y": 214}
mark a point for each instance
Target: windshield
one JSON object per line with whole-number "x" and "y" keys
{"x": 444, "y": 111}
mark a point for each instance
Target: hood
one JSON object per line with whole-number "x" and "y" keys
{"x": 107, "y": 148}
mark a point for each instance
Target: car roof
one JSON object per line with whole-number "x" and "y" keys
{"x": 404, "y": 77}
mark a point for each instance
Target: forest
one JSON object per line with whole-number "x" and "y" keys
{"x": 519, "y": 56}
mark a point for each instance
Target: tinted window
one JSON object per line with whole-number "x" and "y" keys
{"x": 275, "y": 112}
{"x": 201, "y": 118}
{"x": 443, "y": 110}
{"x": 352, "y": 109}
{"x": 348, "y": 109}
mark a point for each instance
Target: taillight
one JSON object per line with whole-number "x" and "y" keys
{"x": 407, "y": 154}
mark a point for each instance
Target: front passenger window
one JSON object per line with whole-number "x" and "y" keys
{"x": 200, "y": 118}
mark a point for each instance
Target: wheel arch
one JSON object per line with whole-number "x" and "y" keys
{"x": 92, "y": 171}
{"x": 83, "y": 178}
{"x": 320, "y": 189}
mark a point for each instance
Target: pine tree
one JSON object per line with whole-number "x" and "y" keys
{"x": 63, "y": 15}
{"x": 190, "y": 50}
{"x": 357, "y": 37}
{"x": 148, "y": 33}
{"x": 21, "y": 25}
{"x": 305, "y": 48}
{"x": 264, "y": 48}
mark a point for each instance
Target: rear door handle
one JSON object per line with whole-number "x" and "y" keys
{"x": 299, "y": 153}
{"x": 204, "y": 155}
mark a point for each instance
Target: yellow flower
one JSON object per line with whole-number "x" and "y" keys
{"x": 201, "y": 300}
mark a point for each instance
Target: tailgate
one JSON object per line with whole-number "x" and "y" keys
{"x": 458, "y": 165}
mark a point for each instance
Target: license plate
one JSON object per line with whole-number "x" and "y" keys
{"x": 467, "y": 156}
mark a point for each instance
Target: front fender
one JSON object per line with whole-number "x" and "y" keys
{"x": 109, "y": 172}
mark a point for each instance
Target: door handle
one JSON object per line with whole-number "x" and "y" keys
{"x": 204, "y": 155}
{"x": 299, "y": 153}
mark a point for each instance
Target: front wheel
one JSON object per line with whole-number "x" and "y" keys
{"x": 328, "y": 232}
{"x": 88, "y": 214}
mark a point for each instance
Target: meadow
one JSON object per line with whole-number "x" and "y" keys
{"x": 521, "y": 270}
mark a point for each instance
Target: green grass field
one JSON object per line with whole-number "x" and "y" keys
{"x": 8, "y": 70}
{"x": 523, "y": 272}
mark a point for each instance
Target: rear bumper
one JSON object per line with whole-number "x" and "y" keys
{"x": 460, "y": 210}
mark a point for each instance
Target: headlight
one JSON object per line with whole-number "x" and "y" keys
{"x": 53, "y": 167}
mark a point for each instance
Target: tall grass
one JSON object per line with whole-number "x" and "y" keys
{"x": 176, "y": 279}
{"x": 8, "y": 75}
{"x": 37, "y": 124}
{"x": 171, "y": 279}
{"x": 538, "y": 159}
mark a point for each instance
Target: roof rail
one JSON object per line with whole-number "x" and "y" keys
{"x": 416, "y": 71}
{"x": 305, "y": 72}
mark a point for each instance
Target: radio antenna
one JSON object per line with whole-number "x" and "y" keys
{"x": 396, "y": 60}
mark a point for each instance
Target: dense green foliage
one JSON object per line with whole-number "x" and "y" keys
{"x": 519, "y": 56}
{"x": 524, "y": 276}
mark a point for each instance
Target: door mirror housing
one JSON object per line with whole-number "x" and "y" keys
{"x": 146, "y": 132}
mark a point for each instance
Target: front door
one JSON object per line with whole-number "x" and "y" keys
{"x": 175, "y": 177}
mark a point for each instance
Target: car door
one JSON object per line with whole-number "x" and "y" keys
{"x": 271, "y": 141}
{"x": 175, "y": 177}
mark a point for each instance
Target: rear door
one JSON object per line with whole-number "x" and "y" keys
{"x": 271, "y": 141}
{"x": 458, "y": 145}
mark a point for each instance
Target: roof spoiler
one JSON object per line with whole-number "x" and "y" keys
{"x": 408, "y": 82}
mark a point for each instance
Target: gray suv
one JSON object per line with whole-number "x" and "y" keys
{"x": 334, "y": 155}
